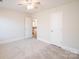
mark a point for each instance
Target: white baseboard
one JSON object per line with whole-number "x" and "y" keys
{"x": 70, "y": 49}
{"x": 73, "y": 50}
{"x": 12, "y": 40}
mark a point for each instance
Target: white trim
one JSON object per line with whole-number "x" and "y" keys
{"x": 63, "y": 47}
{"x": 12, "y": 40}
{"x": 70, "y": 49}
{"x": 43, "y": 40}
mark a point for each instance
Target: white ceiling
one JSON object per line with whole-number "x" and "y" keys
{"x": 44, "y": 4}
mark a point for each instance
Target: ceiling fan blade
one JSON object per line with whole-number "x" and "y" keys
{"x": 0, "y": 0}
{"x": 37, "y": 2}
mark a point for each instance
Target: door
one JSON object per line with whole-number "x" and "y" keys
{"x": 56, "y": 28}
{"x": 28, "y": 27}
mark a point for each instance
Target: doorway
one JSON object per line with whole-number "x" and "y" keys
{"x": 34, "y": 28}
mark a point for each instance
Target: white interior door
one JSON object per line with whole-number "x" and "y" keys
{"x": 56, "y": 28}
{"x": 28, "y": 27}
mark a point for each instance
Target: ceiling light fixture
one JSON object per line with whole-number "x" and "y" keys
{"x": 30, "y": 4}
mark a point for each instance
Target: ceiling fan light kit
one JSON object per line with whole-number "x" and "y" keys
{"x": 30, "y": 4}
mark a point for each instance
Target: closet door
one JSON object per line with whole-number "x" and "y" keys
{"x": 28, "y": 27}
{"x": 56, "y": 28}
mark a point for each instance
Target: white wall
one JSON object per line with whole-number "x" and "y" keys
{"x": 69, "y": 24}
{"x": 12, "y": 25}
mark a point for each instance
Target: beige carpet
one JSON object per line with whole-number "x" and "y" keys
{"x": 33, "y": 49}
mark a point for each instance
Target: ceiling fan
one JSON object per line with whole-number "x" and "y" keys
{"x": 30, "y": 4}
{"x": 0, "y": 0}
